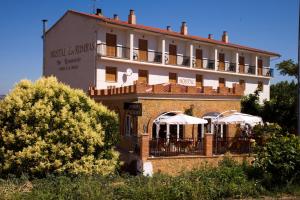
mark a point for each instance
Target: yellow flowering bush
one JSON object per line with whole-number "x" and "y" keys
{"x": 48, "y": 127}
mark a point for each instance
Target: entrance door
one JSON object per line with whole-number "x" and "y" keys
{"x": 143, "y": 50}
{"x": 241, "y": 64}
{"x": 172, "y": 54}
{"x": 259, "y": 67}
{"x": 111, "y": 45}
{"x": 221, "y": 62}
{"x": 199, "y": 58}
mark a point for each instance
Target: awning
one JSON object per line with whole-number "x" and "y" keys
{"x": 183, "y": 119}
{"x": 239, "y": 118}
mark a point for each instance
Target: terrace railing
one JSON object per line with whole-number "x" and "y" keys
{"x": 238, "y": 145}
{"x": 174, "y": 147}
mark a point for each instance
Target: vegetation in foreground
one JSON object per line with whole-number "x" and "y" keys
{"x": 47, "y": 127}
{"x": 229, "y": 180}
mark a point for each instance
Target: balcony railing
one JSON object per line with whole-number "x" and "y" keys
{"x": 180, "y": 60}
{"x": 175, "y": 147}
{"x": 251, "y": 69}
{"x": 113, "y": 51}
{"x": 237, "y": 145}
{"x": 231, "y": 67}
{"x": 152, "y": 56}
{"x": 210, "y": 64}
{"x": 267, "y": 71}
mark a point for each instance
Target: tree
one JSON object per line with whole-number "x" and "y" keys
{"x": 281, "y": 108}
{"x": 250, "y": 104}
{"x": 288, "y": 67}
{"x": 280, "y": 159}
{"x": 47, "y": 127}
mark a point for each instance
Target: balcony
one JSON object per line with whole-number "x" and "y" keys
{"x": 151, "y": 56}
{"x": 251, "y": 69}
{"x": 267, "y": 71}
{"x": 179, "y": 60}
{"x": 231, "y": 67}
{"x": 210, "y": 64}
{"x": 121, "y": 52}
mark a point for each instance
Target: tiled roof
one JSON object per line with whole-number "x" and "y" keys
{"x": 175, "y": 34}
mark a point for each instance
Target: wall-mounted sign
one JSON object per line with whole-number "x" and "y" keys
{"x": 133, "y": 108}
{"x": 186, "y": 81}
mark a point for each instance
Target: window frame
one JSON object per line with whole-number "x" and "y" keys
{"x": 115, "y": 69}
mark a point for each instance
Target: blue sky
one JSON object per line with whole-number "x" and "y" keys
{"x": 267, "y": 24}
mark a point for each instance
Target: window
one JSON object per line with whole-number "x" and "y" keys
{"x": 242, "y": 83}
{"x": 111, "y": 74}
{"x": 128, "y": 125}
{"x": 172, "y": 54}
{"x": 143, "y": 50}
{"x": 260, "y": 86}
{"x": 143, "y": 76}
{"x": 221, "y": 82}
{"x": 111, "y": 45}
{"x": 199, "y": 80}
{"x": 172, "y": 78}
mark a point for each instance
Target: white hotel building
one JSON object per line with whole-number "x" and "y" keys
{"x": 121, "y": 62}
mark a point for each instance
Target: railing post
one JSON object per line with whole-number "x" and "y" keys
{"x": 191, "y": 55}
{"x": 237, "y": 62}
{"x": 208, "y": 144}
{"x": 256, "y": 65}
{"x": 216, "y": 59}
{"x": 163, "y": 50}
{"x": 144, "y": 146}
{"x": 131, "y": 38}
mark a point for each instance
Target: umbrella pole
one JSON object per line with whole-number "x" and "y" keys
{"x": 177, "y": 132}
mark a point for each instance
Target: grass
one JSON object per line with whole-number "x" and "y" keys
{"x": 229, "y": 180}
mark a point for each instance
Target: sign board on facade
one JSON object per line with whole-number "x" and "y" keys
{"x": 133, "y": 108}
{"x": 186, "y": 81}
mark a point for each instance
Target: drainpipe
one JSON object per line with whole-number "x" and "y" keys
{"x": 44, "y": 44}
{"x": 298, "y": 114}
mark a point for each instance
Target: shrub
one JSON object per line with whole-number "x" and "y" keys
{"x": 280, "y": 159}
{"x": 47, "y": 127}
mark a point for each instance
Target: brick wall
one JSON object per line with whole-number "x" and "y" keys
{"x": 175, "y": 165}
{"x": 153, "y": 108}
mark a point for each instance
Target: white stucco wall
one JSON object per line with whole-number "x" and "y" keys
{"x": 70, "y": 51}
{"x": 74, "y": 30}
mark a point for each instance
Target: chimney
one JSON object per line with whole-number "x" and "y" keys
{"x": 225, "y": 37}
{"x": 184, "y": 29}
{"x": 210, "y": 36}
{"x": 116, "y": 17}
{"x": 99, "y": 12}
{"x": 131, "y": 17}
{"x": 169, "y": 28}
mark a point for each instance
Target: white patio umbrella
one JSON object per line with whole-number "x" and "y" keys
{"x": 181, "y": 119}
{"x": 239, "y": 118}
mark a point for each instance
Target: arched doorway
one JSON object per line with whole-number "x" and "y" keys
{"x": 160, "y": 130}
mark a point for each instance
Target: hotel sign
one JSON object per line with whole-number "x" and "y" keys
{"x": 69, "y": 58}
{"x": 186, "y": 81}
{"x": 133, "y": 108}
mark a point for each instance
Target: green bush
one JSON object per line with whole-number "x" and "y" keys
{"x": 229, "y": 180}
{"x": 279, "y": 158}
{"x": 47, "y": 127}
